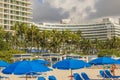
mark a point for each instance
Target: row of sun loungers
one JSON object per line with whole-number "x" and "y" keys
{"x": 76, "y": 77}
{"x": 83, "y": 76}
{"x": 105, "y": 74}
{"x": 49, "y": 78}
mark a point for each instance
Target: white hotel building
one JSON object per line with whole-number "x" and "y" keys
{"x": 102, "y": 30}
{"x": 12, "y": 11}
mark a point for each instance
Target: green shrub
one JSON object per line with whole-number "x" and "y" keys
{"x": 109, "y": 52}
{"x": 6, "y": 57}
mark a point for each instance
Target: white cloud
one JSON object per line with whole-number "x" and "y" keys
{"x": 75, "y": 8}
{"x": 55, "y": 10}
{"x": 105, "y": 8}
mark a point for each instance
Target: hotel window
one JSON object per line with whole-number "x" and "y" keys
{"x": 11, "y": 12}
{"x": 1, "y": 10}
{"x": 17, "y": 12}
{"x": 0, "y": 21}
{"x": 11, "y": 0}
{"x": 6, "y": 11}
{"x": 6, "y": 16}
{"x": 11, "y": 17}
{"x": 5, "y": 5}
{"x": 5, "y": 27}
{"x": 1, "y": 5}
{"x": 22, "y": 18}
{"x": 12, "y": 7}
{"x": 17, "y": 18}
{"x": 6, "y": 0}
{"x": 17, "y": 2}
{"x": 11, "y": 22}
{"x": 17, "y": 7}
{"x": 6, "y": 21}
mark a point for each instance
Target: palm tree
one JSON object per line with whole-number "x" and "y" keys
{"x": 8, "y": 39}
{"x": 15, "y": 36}
{"x": 44, "y": 40}
{"x": 86, "y": 46}
{"x": 78, "y": 40}
{"x": 36, "y": 35}
{"x": 115, "y": 42}
{"x": 31, "y": 33}
{"x": 64, "y": 40}
{"x": 75, "y": 42}
{"x": 3, "y": 43}
{"x": 55, "y": 41}
{"x": 22, "y": 32}
{"x": 2, "y": 33}
{"x": 38, "y": 38}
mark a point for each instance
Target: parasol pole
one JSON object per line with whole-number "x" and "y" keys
{"x": 71, "y": 74}
{"x": 26, "y": 76}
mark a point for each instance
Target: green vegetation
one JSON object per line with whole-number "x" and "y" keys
{"x": 6, "y": 57}
{"x": 108, "y": 52}
{"x": 24, "y": 36}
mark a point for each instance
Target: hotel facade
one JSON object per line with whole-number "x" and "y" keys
{"x": 107, "y": 28}
{"x": 12, "y": 11}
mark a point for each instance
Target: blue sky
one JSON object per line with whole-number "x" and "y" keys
{"x": 76, "y": 10}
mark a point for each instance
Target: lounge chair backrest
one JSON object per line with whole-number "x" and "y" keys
{"x": 102, "y": 73}
{"x": 77, "y": 76}
{"x": 52, "y": 77}
{"x": 85, "y": 76}
{"x": 41, "y": 78}
{"x": 108, "y": 73}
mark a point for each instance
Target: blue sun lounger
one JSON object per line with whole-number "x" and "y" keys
{"x": 77, "y": 76}
{"x": 85, "y": 76}
{"x": 102, "y": 73}
{"x": 52, "y": 77}
{"x": 110, "y": 75}
{"x": 3, "y": 77}
{"x": 41, "y": 78}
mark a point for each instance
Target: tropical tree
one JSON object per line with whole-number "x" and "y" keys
{"x": 38, "y": 38}
{"x": 2, "y": 33}
{"x": 15, "y": 40}
{"x": 75, "y": 42}
{"x": 109, "y": 52}
{"x": 8, "y": 39}
{"x": 31, "y": 36}
{"x": 45, "y": 39}
{"x": 86, "y": 46}
{"x": 114, "y": 43}
{"x": 55, "y": 41}
{"x": 64, "y": 40}
{"x": 78, "y": 40}
{"x": 6, "y": 57}
{"x": 22, "y": 33}
{"x": 3, "y": 44}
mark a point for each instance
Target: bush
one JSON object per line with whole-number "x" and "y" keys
{"x": 6, "y": 57}
{"x": 15, "y": 51}
{"x": 3, "y": 45}
{"x": 8, "y": 54}
{"x": 109, "y": 52}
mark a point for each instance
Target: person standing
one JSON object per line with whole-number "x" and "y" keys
{"x": 112, "y": 69}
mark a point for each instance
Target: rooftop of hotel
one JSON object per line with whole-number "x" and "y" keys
{"x": 97, "y": 21}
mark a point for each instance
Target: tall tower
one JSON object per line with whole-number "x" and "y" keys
{"x": 12, "y": 11}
